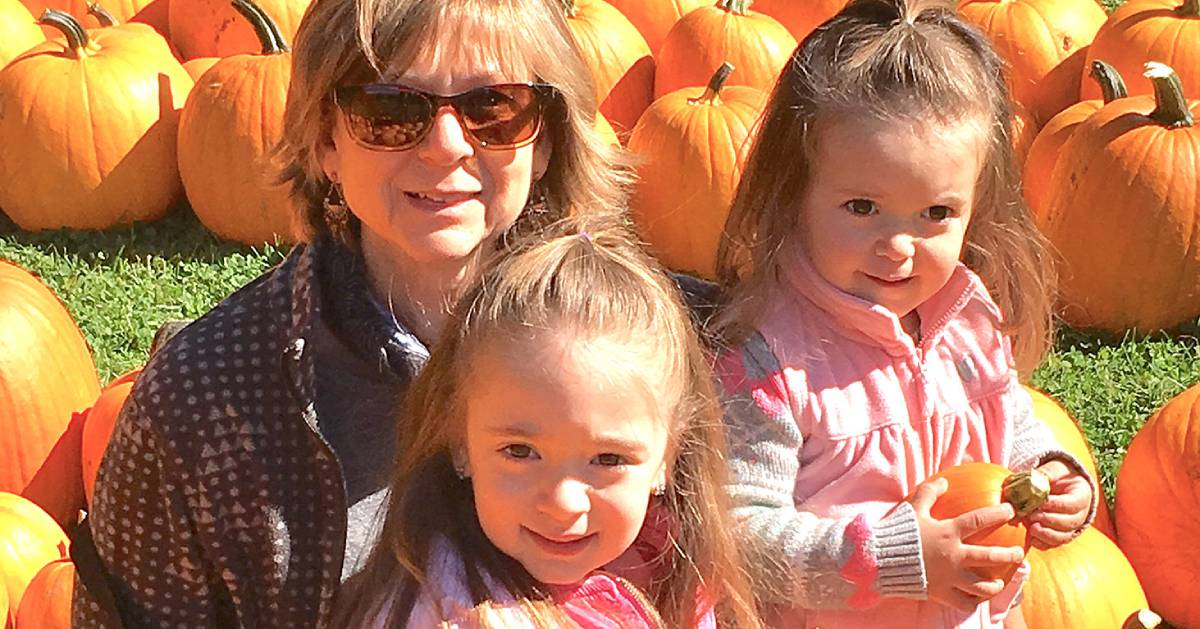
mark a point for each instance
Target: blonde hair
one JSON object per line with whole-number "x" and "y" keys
{"x": 343, "y": 42}
{"x": 889, "y": 60}
{"x": 585, "y": 274}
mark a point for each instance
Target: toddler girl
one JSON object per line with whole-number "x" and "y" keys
{"x": 567, "y": 404}
{"x": 878, "y": 216}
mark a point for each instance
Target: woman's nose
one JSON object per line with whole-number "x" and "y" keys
{"x": 447, "y": 142}
{"x": 565, "y": 500}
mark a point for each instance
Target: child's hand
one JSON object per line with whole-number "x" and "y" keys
{"x": 1058, "y": 521}
{"x": 948, "y": 561}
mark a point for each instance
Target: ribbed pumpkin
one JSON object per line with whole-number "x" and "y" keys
{"x": 692, "y": 143}
{"x": 1047, "y": 146}
{"x": 800, "y": 18}
{"x": 46, "y": 378}
{"x": 89, "y": 124}
{"x": 1150, "y": 30}
{"x": 1069, "y": 434}
{"x": 1124, "y": 189}
{"x": 1034, "y": 36}
{"x": 47, "y": 601}
{"x": 617, "y": 56}
{"x": 1086, "y": 582}
{"x": 654, "y": 18}
{"x": 213, "y": 28}
{"x": 1158, "y": 508}
{"x": 18, "y": 30}
{"x": 232, "y": 120}
{"x": 756, "y": 44}
{"x": 98, "y": 427}
{"x": 976, "y": 485}
{"x": 30, "y": 540}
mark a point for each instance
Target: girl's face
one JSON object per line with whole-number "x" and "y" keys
{"x": 443, "y": 198}
{"x": 887, "y": 207}
{"x": 565, "y": 441}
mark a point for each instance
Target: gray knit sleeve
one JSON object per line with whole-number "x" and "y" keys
{"x": 795, "y": 557}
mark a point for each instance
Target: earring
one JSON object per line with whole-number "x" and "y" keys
{"x": 659, "y": 489}
{"x": 460, "y": 471}
{"x": 337, "y": 214}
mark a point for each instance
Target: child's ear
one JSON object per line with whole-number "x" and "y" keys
{"x": 462, "y": 466}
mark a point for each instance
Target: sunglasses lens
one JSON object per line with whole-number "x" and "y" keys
{"x": 501, "y": 115}
{"x": 387, "y": 116}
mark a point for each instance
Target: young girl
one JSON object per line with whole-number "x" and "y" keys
{"x": 877, "y": 210}
{"x": 568, "y": 402}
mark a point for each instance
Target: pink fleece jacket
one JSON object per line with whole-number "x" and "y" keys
{"x": 836, "y": 414}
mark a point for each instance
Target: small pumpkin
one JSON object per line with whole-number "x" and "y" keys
{"x": 31, "y": 539}
{"x": 46, "y": 603}
{"x": 654, "y": 18}
{"x": 617, "y": 56}
{"x": 213, "y": 28}
{"x": 978, "y": 484}
{"x": 728, "y": 31}
{"x": 1122, "y": 189}
{"x": 800, "y": 18}
{"x": 691, "y": 143}
{"x": 232, "y": 120}
{"x": 98, "y": 427}
{"x": 1158, "y": 508}
{"x": 1149, "y": 30}
{"x": 18, "y": 30}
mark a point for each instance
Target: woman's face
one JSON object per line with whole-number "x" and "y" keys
{"x": 442, "y": 199}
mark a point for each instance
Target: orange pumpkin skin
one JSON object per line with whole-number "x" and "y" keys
{"x": 654, "y": 18}
{"x": 47, "y": 601}
{"x": 122, "y": 10}
{"x": 98, "y": 427}
{"x": 800, "y": 18}
{"x": 31, "y": 540}
{"x": 1086, "y": 582}
{"x": 618, "y": 58}
{"x": 46, "y": 378}
{"x": 90, "y": 139}
{"x": 972, "y": 486}
{"x": 213, "y": 28}
{"x": 1046, "y": 147}
{"x": 1112, "y": 197}
{"x": 198, "y": 66}
{"x": 697, "y": 144}
{"x": 605, "y": 131}
{"x": 232, "y": 120}
{"x": 18, "y": 30}
{"x": 1069, "y": 435}
{"x": 1024, "y": 130}
{"x": 1158, "y": 508}
{"x": 1149, "y": 30}
{"x": 757, "y": 46}
{"x": 1034, "y": 36}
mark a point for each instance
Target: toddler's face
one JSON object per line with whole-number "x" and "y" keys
{"x": 887, "y": 207}
{"x": 565, "y": 440}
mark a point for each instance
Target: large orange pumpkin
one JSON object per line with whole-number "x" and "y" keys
{"x": 1150, "y": 30}
{"x": 1034, "y": 37}
{"x": 617, "y": 56}
{"x": 1047, "y": 146}
{"x": 89, "y": 125}
{"x": 46, "y": 378}
{"x": 232, "y": 120}
{"x": 46, "y": 603}
{"x": 654, "y": 18}
{"x": 1069, "y": 434}
{"x": 976, "y": 485}
{"x": 800, "y": 18}
{"x": 98, "y": 427}
{"x": 1123, "y": 190}
{"x": 1158, "y": 508}
{"x": 31, "y": 539}
{"x": 729, "y": 31}
{"x": 213, "y": 28}
{"x": 18, "y": 30}
{"x": 1086, "y": 582}
{"x": 691, "y": 142}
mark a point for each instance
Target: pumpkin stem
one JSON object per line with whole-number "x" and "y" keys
{"x": 266, "y": 29}
{"x": 712, "y": 93}
{"x": 1171, "y": 110}
{"x": 1143, "y": 619}
{"x": 740, "y": 7}
{"x": 101, "y": 14}
{"x": 569, "y": 8}
{"x": 1026, "y": 491}
{"x": 1112, "y": 86}
{"x": 1189, "y": 8}
{"x": 77, "y": 37}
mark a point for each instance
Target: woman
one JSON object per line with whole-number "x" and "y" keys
{"x": 243, "y": 478}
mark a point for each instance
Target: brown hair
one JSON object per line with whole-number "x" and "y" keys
{"x": 343, "y": 42}
{"x": 889, "y": 60}
{"x": 584, "y": 274}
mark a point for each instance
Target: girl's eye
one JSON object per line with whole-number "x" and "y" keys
{"x": 860, "y": 207}
{"x": 518, "y": 451}
{"x": 940, "y": 213}
{"x": 609, "y": 459}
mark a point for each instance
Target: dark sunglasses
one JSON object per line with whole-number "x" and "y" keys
{"x": 390, "y": 117}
